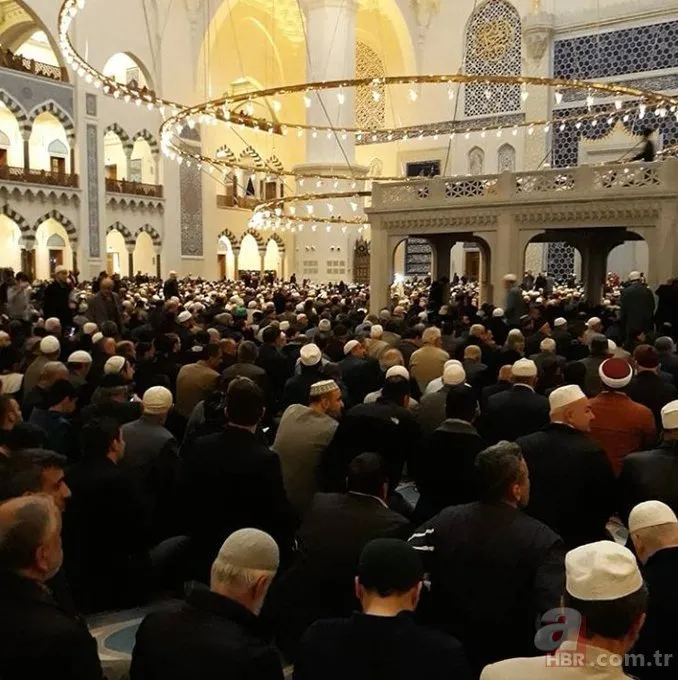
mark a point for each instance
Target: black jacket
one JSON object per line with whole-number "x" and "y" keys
{"x": 106, "y": 537}
{"x": 669, "y": 364}
{"x": 231, "y": 481}
{"x": 298, "y": 387}
{"x": 379, "y": 427}
{"x": 170, "y": 289}
{"x": 660, "y": 631}
{"x": 208, "y": 636}
{"x": 572, "y": 485}
{"x": 636, "y": 311}
{"x": 278, "y": 372}
{"x": 491, "y": 390}
{"x": 55, "y": 303}
{"x": 649, "y": 476}
{"x": 320, "y": 583}
{"x": 492, "y": 568}
{"x": 650, "y": 390}
{"x": 446, "y": 469}
{"x": 361, "y": 376}
{"x": 514, "y": 413}
{"x": 39, "y": 638}
{"x": 370, "y": 647}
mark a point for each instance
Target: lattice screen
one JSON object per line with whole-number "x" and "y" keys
{"x": 506, "y": 158}
{"x": 476, "y": 161}
{"x": 369, "y": 112}
{"x": 493, "y": 47}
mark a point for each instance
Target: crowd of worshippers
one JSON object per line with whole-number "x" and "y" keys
{"x": 413, "y": 493}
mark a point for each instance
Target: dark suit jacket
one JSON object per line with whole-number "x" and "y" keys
{"x": 204, "y": 638}
{"x": 490, "y": 564}
{"x": 231, "y": 481}
{"x": 669, "y": 364}
{"x": 490, "y": 391}
{"x": 514, "y": 413}
{"x": 39, "y": 638}
{"x": 572, "y": 485}
{"x": 320, "y": 583}
{"x": 247, "y": 370}
{"x": 636, "y": 309}
{"x": 649, "y": 475}
{"x": 652, "y": 391}
{"x": 97, "y": 310}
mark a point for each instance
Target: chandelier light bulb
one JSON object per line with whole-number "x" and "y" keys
{"x": 307, "y": 101}
{"x": 412, "y": 94}
{"x": 626, "y": 118}
{"x": 314, "y": 227}
{"x": 524, "y": 94}
{"x": 562, "y": 127}
{"x": 341, "y": 97}
{"x": 559, "y": 97}
{"x": 488, "y": 94}
{"x": 354, "y": 206}
{"x": 309, "y": 209}
{"x": 617, "y": 104}
{"x": 450, "y": 93}
{"x": 589, "y": 100}
{"x": 276, "y": 105}
{"x": 328, "y": 228}
{"x": 376, "y": 95}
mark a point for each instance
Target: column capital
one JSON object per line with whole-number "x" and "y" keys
{"x": 348, "y": 5}
{"x": 538, "y": 29}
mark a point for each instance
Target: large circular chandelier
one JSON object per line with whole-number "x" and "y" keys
{"x": 606, "y": 104}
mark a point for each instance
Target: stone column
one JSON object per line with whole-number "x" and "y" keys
{"x": 27, "y": 155}
{"x": 72, "y": 160}
{"x": 158, "y": 265}
{"x": 537, "y": 34}
{"x": 262, "y": 257}
{"x": 236, "y": 268}
{"x": 506, "y": 255}
{"x": 594, "y": 252}
{"x": 130, "y": 262}
{"x": 380, "y": 255}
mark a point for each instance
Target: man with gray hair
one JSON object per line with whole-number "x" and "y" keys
{"x": 35, "y": 398}
{"x": 216, "y": 632}
{"x": 40, "y": 639}
{"x": 668, "y": 361}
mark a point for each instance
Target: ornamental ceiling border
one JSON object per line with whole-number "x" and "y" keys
{"x": 629, "y": 211}
{"x": 417, "y": 225}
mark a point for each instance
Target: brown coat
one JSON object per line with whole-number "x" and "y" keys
{"x": 621, "y": 426}
{"x": 195, "y": 383}
{"x": 427, "y": 364}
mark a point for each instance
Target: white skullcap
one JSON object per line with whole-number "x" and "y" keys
{"x": 670, "y": 416}
{"x": 498, "y": 313}
{"x": 252, "y": 304}
{"x": 301, "y": 317}
{"x": 325, "y": 325}
{"x": 96, "y": 337}
{"x": 310, "y": 355}
{"x": 452, "y": 362}
{"x": 560, "y": 321}
{"x": 299, "y": 308}
{"x": 213, "y": 332}
{"x": 184, "y": 317}
{"x": 376, "y": 332}
{"x": 454, "y": 375}
{"x": 593, "y": 321}
{"x": 323, "y": 387}
{"x": 601, "y": 571}
{"x": 651, "y": 514}
{"x": 249, "y": 549}
{"x": 524, "y": 368}
{"x": 634, "y": 276}
{"x": 547, "y": 345}
{"x": 397, "y": 372}
{"x": 284, "y": 326}
{"x": 60, "y": 268}
{"x": 49, "y": 345}
{"x": 563, "y": 396}
{"x": 114, "y": 365}
{"x": 611, "y": 346}
{"x": 156, "y": 400}
{"x": 172, "y": 273}
{"x": 350, "y": 346}
{"x": 80, "y": 357}
{"x": 511, "y": 277}
{"x": 52, "y": 323}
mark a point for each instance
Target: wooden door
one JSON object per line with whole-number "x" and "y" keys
{"x": 472, "y": 268}
{"x": 112, "y": 172}
{"x": 57, "y": 165}
{"x": 221, "y": 263}
{"x": 56, "y": 258}
{"x": 3, "y": 157}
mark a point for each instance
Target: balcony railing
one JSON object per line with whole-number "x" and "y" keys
{"x": 122, "y": 186}
{"x": 37, "y": 68}
{"x": 58, "y": 179}
{"x": 246, "y": 202}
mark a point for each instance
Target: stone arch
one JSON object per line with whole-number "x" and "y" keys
{"x": 152, "y": 232}
{"x": 506, "y": 158}
{"x": 476, "y": 161}
{"x": 251, "y": 152}
{"x": 274, "y": 163}
{"x": 126, "y": 233}
{"x": 257, "y": 237}
{"x": 149, "y": 138}
{"x": 127, "y": 143}
{"x": 280, "y": 243}
{"x": 18, "y": 111}
{"x": 63, "y": 221}
{"x": 232, "y": 238}
{"x": 27, "y": 234}
{"x": 53, "y": 108}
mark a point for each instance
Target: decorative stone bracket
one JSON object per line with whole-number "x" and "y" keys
{"x": 537, "y": 33}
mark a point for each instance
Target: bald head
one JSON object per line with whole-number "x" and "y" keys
{"x": 106, "y": 286}
{"x": 472, "y": 353}
{"x": 51, "y": 372}
{"x": 30, "y": 537}
{"x": 389, "y": 358}
{"x": 505, "y": 373}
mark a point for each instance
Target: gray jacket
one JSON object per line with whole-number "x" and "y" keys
{"x": 515, "y": 306}
{"x": 145, "y": 440}
{"x": 19, "y": 303}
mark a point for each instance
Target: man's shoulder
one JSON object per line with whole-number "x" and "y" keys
{"x": 519, "y": 669}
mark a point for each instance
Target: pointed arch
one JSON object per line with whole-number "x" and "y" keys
{"x": 27, "y": 235}
{"x": 63, "y": 221}
{"x": 149, "y": 139}
{"x": 256, "y": 236}
{"x": 506, "y": 158}
{"x": 251, "y": 152}
{"x": 476, "y": 161}
{"x": 232, "y": 238}
{"x": 152, "y": 232}
{"x": 54, "y": 109}
{"x": 18, "y": 111}
{"x": 280, "y": 243}
{"x": 124, "y": 138}
{"x": 126, "y": 233}
{"x": 274, "y": 163}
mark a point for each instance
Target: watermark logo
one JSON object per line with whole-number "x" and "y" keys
{"x": 558, "y": 625}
